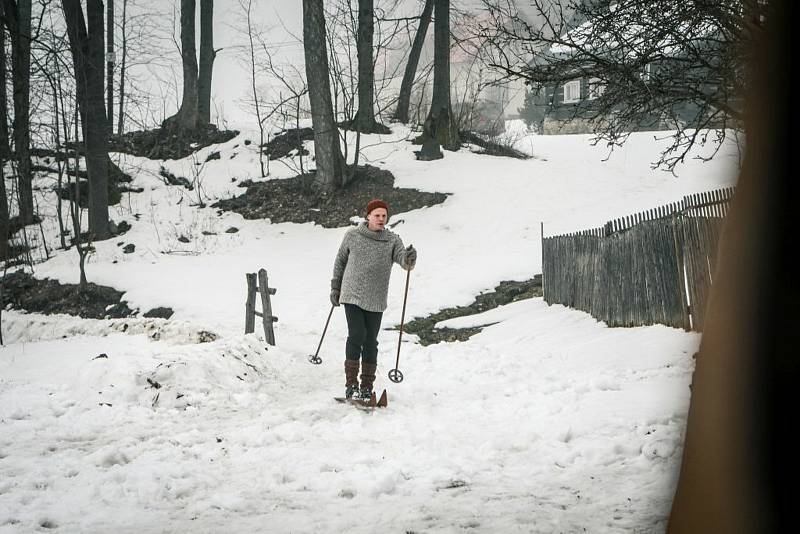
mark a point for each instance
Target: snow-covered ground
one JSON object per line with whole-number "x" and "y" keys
{"x": 546, "y": 421}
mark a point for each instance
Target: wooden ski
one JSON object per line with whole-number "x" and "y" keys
{"x": 366, "y": 404}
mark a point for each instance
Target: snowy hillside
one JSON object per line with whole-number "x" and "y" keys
{"x": 546, "y": 421}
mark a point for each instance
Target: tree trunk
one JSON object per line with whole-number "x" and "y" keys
{"x": 18, "y": 21}
{"x": 186, "y": 118}
{"x": 439, "y": 128}
{"x": 58, "y": 114}
{"x": 123, "y": 67}
{"x": 404, "y": 100}
{"x": 330, "y": 163}
{"x": 365, "y": 118}
{"x": 110, "y": 65}
{"x": 97, "y": 160}
{"x": 5, "y": 150}
{"x": 207, "y": 56}
{"x": 4, "y": 214}
{"x": 87, "y": 54}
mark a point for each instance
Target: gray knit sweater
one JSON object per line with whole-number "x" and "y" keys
{"x": 363, "y": 265}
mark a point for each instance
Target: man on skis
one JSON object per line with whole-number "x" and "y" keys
{"x": 361, "y": 282}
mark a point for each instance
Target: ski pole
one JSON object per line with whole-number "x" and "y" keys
{"x": 395, "y": 375}
{"x": 314, "y": 358}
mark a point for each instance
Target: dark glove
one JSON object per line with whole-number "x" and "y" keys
{"x": 335, "y": 297}
{"x": 411, "y": 256}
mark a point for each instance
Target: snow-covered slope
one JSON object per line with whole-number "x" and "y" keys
{"x": 547, "y": 421}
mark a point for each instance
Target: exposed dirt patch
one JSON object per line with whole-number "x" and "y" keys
{"x": 491, "y": 148}
{"x": 117, "y": 180}
{"x": 116, "y": 174}
{"x": 168, "y": 144}
{"x": 288, "y": 143}
{"x": 488, "y": 147}
{"x": 24, "y": 292}
{"x": 161, "y": 312}
{"x": 503, "y": 294}
{"x": 373, "y": 128}
{"x": 79, "y": 189}
{"x": 293, "y": 200}
{"x": 47, "y": 296}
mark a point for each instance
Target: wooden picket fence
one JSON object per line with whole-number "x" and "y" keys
{"x": 651, "y": 267}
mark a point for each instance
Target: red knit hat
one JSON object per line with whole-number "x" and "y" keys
{"x": 377, "y": 203}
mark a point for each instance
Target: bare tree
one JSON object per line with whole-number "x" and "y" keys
{"x": 55, "y": 69}
{"x": 2, "y": 283}
{"x": 365, "y": 118}
{"x": 643, "y": 64}
{"x": 195, "y": 108}
{"x": 142, "y": 37}
{"x": 123, "y": 69}
{"x": 341, "y": 35}
{"x": 110, "y": 64}
{"x": 207, "y": 55}
{"x": 404, "y": 99}
{"x": 186, "y": 117}
{"x": 289, "y": 104}
{"x": 345, "y": 37}
{"x": 275, "y": 89}
{"x": 439, "y": 128}
{"x": 75, "y": 200}
{"x": 86, "y": 43}
{"x": 58, "y": 111}
{"x": 17, "y": 15}
{"x": 346, "y": 44}
{"x": 330, "y": 172}
{"x": 5, "y": 149}
{"x": 247, "y": 6}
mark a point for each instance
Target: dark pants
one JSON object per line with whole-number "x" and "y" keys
{"x": 362, "y": 333}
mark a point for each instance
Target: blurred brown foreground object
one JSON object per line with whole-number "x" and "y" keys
{"x": 738, "y": 465}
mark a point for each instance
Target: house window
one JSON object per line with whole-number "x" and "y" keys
{"x": 572, "y": 91}
{"x": 596, "y": 88}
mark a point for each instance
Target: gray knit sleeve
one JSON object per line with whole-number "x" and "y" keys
{"x": 399, "y": 252}
{"x": 340, "y": 262}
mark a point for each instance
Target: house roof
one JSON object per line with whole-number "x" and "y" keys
{"x": 631, "y": 32}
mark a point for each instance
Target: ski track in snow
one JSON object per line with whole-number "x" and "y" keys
{"x": 546, "y": 421}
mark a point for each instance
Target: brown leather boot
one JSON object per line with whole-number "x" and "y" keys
{"x": 351, "y": 377}
{"x": 367, "y": 378}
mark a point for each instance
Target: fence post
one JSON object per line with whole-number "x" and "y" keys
{"x": 266, "y": 306}
{"x": 541, "y": 240}
{"x": 679, "y": 245}
{"x": 261, "y": 286}
{"x": 250, "y": 305}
